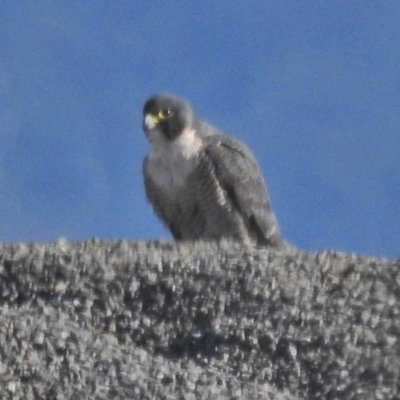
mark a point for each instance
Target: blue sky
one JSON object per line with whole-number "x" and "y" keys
{"x": 313, "y": 88}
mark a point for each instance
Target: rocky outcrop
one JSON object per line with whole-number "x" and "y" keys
{"x": 159, "y": 320}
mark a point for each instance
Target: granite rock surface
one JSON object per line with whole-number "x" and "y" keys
{"x": 159, "y": 320}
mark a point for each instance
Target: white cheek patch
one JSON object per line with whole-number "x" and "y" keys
{"x": 150, "y": 121}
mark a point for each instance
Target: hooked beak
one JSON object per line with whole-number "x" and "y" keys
{"x": 150, "y": 121}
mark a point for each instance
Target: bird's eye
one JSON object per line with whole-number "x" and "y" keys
{"x": 164, "y": 114}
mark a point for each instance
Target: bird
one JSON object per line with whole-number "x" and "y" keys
{"x": 202, "y": 183}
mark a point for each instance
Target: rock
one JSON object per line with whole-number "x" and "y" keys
{"x": 160, "y": 320}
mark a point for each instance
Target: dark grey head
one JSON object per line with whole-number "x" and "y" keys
{"x": 167, "y": 115}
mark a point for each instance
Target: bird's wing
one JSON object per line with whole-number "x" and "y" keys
{"x": 159, "y": 202}
{"x": 239, "y": 176}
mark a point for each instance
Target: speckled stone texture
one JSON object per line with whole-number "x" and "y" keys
{"x": 158, "y": 320}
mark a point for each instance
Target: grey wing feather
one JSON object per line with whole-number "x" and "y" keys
{"x": 159, "y": 203}
{"x": 240, "y": 177}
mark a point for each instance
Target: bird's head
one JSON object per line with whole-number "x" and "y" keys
{"x": 167, "y": 116}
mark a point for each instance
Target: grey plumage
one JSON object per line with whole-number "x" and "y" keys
{"x": 202, "y": 183}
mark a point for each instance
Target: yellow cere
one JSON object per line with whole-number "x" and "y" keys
{"x": 150, "y": 121}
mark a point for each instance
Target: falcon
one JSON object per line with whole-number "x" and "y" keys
{"x": 203, "y": 184}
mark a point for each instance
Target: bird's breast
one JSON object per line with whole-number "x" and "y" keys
{"x": 170, "y": 173}
{"x": 171, "y": 163}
